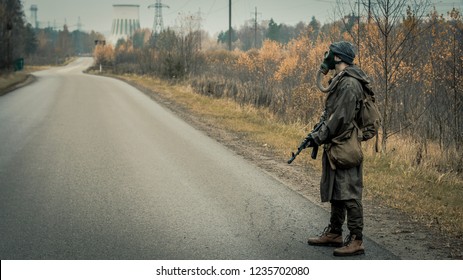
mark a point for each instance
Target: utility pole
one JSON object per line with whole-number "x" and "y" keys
{"x": 369, "y": 11}
{"x": 255, "y": 27}
{"x": 9, "y": 27}
{"x": 229, "y": 24}
{"x": 79, "y": 24}
{"x": 199, "y": 19}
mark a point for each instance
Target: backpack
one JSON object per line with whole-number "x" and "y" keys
{"x": 369, "y": 116}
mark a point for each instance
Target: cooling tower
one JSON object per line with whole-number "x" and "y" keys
{"x": 126, "y": 20}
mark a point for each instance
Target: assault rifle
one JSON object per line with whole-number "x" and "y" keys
{"x": 305, "y": 143}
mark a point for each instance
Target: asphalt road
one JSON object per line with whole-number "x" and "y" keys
{"x": 91, "y": 168}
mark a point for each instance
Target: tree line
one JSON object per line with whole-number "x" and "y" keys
{"x": 18, "y": 39}
{"x": 413, "y": 53}
{"x": 252, "y": 35}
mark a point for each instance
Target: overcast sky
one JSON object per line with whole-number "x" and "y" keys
{"x": 97, "y": 14}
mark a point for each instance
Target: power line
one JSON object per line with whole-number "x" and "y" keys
{"x": 229, "y": 24}
{"x": 210, "y": 9}
{"x": 179, "y": 9}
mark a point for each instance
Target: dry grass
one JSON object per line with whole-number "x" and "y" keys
{"x": 8, "y": 80}
{"x": 395, "y": 178}
{"x": 258, "y": 124}
{"x": 430, "y": 195}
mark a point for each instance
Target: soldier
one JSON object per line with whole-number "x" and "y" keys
{"x": 341, "y": 185}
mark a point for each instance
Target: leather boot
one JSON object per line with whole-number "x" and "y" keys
{"x": 351, "y": 247}
{"x": 327, "y": 238}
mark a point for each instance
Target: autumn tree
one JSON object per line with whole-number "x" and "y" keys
{"x": 297, "y": 97}
{"x": 390, "y": 42}
{"x": 456, "y": 70}
{"x": 248, "y": 37}
{"x": 168, "y": 46}
{"x": 104, "y": 55}
{"x": 444, "y": 79}
{"x": 189, "y": 35}
{"x": 415, "y": 62}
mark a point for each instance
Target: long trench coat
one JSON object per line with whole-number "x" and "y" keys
{"x": 341, "y": 108}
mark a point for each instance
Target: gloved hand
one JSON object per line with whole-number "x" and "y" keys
{"x": 309, "y": 142}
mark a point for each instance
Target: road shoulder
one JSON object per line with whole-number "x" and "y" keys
{"x": 13, "y": 85}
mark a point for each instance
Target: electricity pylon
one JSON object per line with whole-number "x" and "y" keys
{"x": 158, "y": 24}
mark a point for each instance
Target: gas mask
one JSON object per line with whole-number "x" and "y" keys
{"x": 328, "y": 62}
{"x": 345, "y": 51}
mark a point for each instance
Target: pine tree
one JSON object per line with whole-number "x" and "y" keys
{"x": 273, "y": 32}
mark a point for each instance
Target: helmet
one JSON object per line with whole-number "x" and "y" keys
{"x": 344, "y": 50}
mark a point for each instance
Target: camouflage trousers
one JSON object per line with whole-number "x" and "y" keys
{"x": 354, "y": 210}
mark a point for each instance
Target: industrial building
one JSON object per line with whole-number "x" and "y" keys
{"x": 126, "y": 20}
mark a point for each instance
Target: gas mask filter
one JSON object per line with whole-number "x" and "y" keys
{"x": 328, "y": 62}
